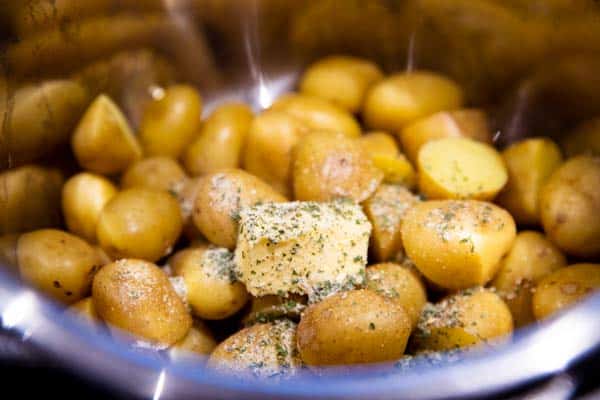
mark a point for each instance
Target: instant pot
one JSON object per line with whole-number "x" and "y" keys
{"x": 532, "y": 64}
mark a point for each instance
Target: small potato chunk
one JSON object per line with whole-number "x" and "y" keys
{"x": 342, "y": 80}
{"x": 59, "y": 264}
{"x": 570, "y": 206}
{"x": 29, "y": 199}
{"x": 260, "y": 351}
{"x": 328, "y": 166}
{"x": 159, "y": 173}
{"x": 83, "y": 197}
{"x": 220, "y": 141}
{"x": 137, "y": 297}
{"x": 139, "y": 223}
{"x": 400, "y": 284}
{"x": 386, "y": 210}
{"x": 268, "y": 154}
{"x": 460, "y": 168}
{"x": 530, "y": 163}
{"x": 530, "y": 259}
{"x": 584, "y": 139}
{"x": 457, "y": 244}
{"x": 354, "y": 327}
{"x": 469, "y": 123}
{"x": 302, "y": 247}
{"x": 220, "y": 198}
{"x": 170, "y": 122}
{"x": 103, "y": 141}
{"x": 387, "y": 158}
{"x": 198, "y": 341}
{"x": 8, "y": 251}
{"x": 318, "y": 114}
{"x": 565, "y": 287}
{"x": 402, "y": 98}
{"x": 471, "y": 317}
{"x": 213, "y": 291}
{"x": 85, "y": 309}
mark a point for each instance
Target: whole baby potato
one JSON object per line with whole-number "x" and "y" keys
{"x": 565, "y": 287}
{"x": 83, "y": 197}
{"x": 379, "y": 142}
{"x": 59, "y": 264}
{"x": 198, "y": 341}
{"x": 353, "y": 327}
{"x": 160, "y": 173}
{"x": 329, "y": 165}
{"x": 220, "y": 197}
{"x": 570, "y": 206}
{"x": 137, "y": 297}
{"x": 457, "y": 244}
{"x": 140, "y": 223}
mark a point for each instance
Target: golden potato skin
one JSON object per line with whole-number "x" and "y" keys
{"x": 83, "y": 197}
{"x": 139, "y": 223}
{"x": 565, "y": 287}
{"x": 160, "y": 173}
{"x": 221, "y": 196}
{"x": 342, "y": 80}
{"x": 357, "y": 326}
{"x": 8, "y": 251}
{"x": 531, "y": 258}
{"x": 530, "y": 164}
{"x": 379, "y": 143}
{"x": 457, "y": 244}
{"x": 400, "y": 284}
{"x": 199, "y": 341}
{"x": 84, "y": 308}
{"x": 328, "y": 166}
{"x": 59, "y": 264}
{"x": 170, "y": 122}
{"x": 570, "y": 206}
{"x": 137, "y": 297}
{"x": 220, "y": 141}
{"x": 212, "y": 291}
{"x": 584, "y": 139}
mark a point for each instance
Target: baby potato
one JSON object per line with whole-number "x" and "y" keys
{"x": 387, "y": 158}
{"x": 584, "y": 139}
{"x": 187, "y": 197}
{"x": 268, "y": 153}
{"x": 8, "y": 251}
{"x": 386, "y": 210}
{"x": 469, "y": 123}
{"x": 198, "y": 341}
{"x": 85, "y": 309}
{"x": 529, "y": 163}
{"x": 220, "y": 141}
{"x": 59, "y": 264}
{"x": 83, "y": 197}
{"x": 379, "y": 142}
{"x": 29, "y": 199}
{"x": 169, "y": 123}
{"x": 329, "y": 165}
{"x": 260, "y": 351}
{"x": 565, "y": 287}
{"x": 457, "y": 244}
{"x": 140, "y": 223}
{"x": 460, "y": 168}
{"x": 342, "y": 80}
{"x": 530, "y": 259}
{"x": 220, "y": 198}
{"x": 402, "y": 98}
{"x": 137, "y": 297}
{"x": 103, "y": 142}
{"x": 570, "y": 206}
{"x": 471, "y": 317}
{"x": 399, "y": 284}
{"x": 159, "y": 173}
{"x": 318, "y": 114}
{"x": 213, "y": 291}
{"x": 354, "y": 327}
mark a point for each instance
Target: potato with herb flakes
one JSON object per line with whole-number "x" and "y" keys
{"x": 271, "y": 307}
{"x": 460, "y": 168}
{"x": 584, "y": 139}
{"x": 220, "y": 198}
{"x": 530, "y": 163}
{"x": 565, "y": 287}
{"x": 531, "y": 258}
{"x": 329, "y": 165}
{"x": 471, "y": 317}
{"x": 354, "y": 327}
{"x": 385, "y": 210}
{"x": 198, "y": 341}
{"x": 570, "y": 206}
{"x": 260, "y": 351}
{"x": 137, "y": 297}
{"x": 457, "y": 244}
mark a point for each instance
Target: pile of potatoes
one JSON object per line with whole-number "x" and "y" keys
{"x": 466, "y": 242}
